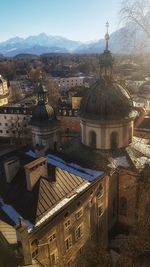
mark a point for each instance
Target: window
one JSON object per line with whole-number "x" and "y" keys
{"x": 54, "y": 256}
{"x": 123, "y": 206}
{"x": 7, "y": 132}
{"x": 34, "y": 248}
{"x": 66, "y": 214}
{"x": 67, "y": 223}
{"x": 79, "y": 214}
{"x": 6, "y": 124}
{"x": 81, "y": 250}
{"x": 52, "y": 237}
{"x": 100, "y": 191}
{"x": 100, "y": 210}
{"x": 79, "y": 232}
{"x": 114, "y": 140}
{"x": 130, "y": 134}
{"x": 68, "y": 243}
{"x": 92, "y": 139}
{"x": 114, "y": 208}
{"x": 69, "y": 263}
{"x": 35, "y": 253}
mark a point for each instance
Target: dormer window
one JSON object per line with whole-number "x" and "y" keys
{"x": 79, "y": 214}
{"x": 52, "y": 237}
{"x": 100, "y": 191}
{"x": 67, "y": 224}
{"x": 34, "y": 247}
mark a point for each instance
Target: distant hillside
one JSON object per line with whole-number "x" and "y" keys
{"x": 124, "y": 40}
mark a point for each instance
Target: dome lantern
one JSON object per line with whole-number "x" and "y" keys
{"x": 106, "y": 59}
{"x": 42, "y": 94}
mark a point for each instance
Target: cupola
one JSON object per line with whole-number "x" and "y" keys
{"x": 106, "y": 111}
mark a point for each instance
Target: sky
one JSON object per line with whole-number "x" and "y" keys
{"x": 82, "y": 20}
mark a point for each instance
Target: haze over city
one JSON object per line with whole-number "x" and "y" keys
{"x": 75, "y": 133}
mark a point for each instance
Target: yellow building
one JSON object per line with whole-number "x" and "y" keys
{"x": 4, "y": 91}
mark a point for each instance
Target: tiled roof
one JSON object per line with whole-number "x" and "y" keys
{"x": 51, "y": 193}
{"x": 8, "y": 232}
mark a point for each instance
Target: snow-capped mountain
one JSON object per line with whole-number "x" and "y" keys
{"x": 124, "y": 40}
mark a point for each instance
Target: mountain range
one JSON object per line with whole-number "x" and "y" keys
{"x": 124, "y": 40}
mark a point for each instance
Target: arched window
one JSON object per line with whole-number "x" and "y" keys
{"x": 114, "y": 208}
{"x": 55, "y": 146}
{"x": 34, "y": 248}
{"x": 130, "y": 134}
{"x": 123, "y": 206}
{"x": 114, "y": 140}
{"x": 92, "y": 139}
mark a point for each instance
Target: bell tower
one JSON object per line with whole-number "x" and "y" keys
{"x": 44, "y": 124}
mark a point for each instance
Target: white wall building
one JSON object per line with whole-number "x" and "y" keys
{"x": 4, "y": 91}
{"x": 14, "y": 121}
{"x": 69, "y": 82}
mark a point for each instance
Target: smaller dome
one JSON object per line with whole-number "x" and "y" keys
{"x": 41, "y": 88}
{"x": 43, "y": 115}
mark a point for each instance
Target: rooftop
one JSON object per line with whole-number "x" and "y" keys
{"x": 48, "y": 196}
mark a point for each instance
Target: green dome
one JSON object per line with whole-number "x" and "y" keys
{"x": 43, "y": 115}
{"x": 106, "y": 100}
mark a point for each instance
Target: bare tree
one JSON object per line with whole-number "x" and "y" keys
{"x": 52, "y": 91}
{"x": 19, "y": 130}
{"x": 138, "y": 12}
{"x": 94, "y": 255}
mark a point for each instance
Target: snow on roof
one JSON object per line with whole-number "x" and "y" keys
{"x": 142, "y": 145}
{"x": 120, "y": 161}
{"x": 12, "y": 213}
{"x": 75, "y": 169}
{"x": 143, "y": 161}
{"x": 61, "y": 204}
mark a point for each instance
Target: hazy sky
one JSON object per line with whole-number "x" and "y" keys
{"x": 82, "y": 20}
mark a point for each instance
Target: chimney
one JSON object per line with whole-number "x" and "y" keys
{"x": 22, "y": 236}
{"x": 34, "y": 170}
{"x": 11, "y": 167}
{"x": 51, "y": 173}
{"x": 40, "y": 151}
{"x": 140, "y": 117}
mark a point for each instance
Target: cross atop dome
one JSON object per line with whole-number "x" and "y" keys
{"x": 107, "y": 37}
{"x": 106, "y": 59}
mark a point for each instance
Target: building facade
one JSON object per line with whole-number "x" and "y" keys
{"x": 14, "y": 121}
{"x": 4, "y": 91}
{"x": 69, "y": 82}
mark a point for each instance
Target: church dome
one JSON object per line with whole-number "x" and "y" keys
{"x": 106, "y": 100}
{"x": 42, "y": 114}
